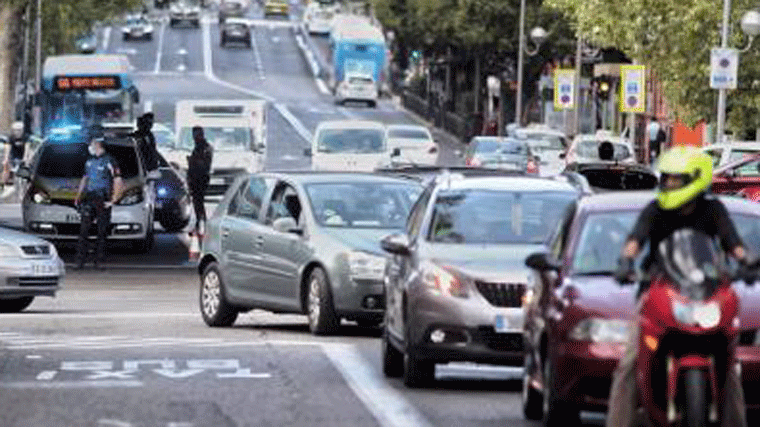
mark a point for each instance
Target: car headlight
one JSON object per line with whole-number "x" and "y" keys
{"x": 442, "y": 280}
{"x": 363, "y": 265}
{"x": 162, "y": 191}
{"x": 8, "y": 251}
{"x": 41, "y": 198}
{"x": 132, "y": 197}
{"x": 705, "y": 315}
{"x": 596, "y": 329}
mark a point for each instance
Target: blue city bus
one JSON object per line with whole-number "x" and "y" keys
{"x": 79, "y": 91}
{"x": 359, "y": 50}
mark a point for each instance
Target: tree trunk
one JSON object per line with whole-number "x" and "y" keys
{"x": 9, "y": 45}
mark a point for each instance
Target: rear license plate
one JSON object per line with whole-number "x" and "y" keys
{"x": 44, "y": 270}
{"x": 505, "y": 324}
{"x": 217, "y": 181}
{"x": 73, "y": 218}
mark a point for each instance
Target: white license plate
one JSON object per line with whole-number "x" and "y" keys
{"x": 44, "y": 270}
{"x": 504, "y": 324}
{"x": 217, "y": 181}
{"x": 73, "y": 218}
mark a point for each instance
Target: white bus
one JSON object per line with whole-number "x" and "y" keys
{"x": 236, "y": 129}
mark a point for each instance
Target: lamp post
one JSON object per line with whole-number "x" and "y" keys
{"x": 538, "y": 35}
{"x": 750, "y": 26}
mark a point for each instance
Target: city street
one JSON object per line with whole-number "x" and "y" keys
{"x": 127, "y": 346}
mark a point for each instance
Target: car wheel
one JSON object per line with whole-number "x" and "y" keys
{"x": 215, "y": 308}
{"x": 556, "y": 411}
{"x": 372, "y": 104}
{"x": 393, "y": 360}
{"x": 174, "y": 225}
{"x": 532, "y": 399}
{"x": 418, "y": 372}
{"x": 149, "y": 36}
{"x": 222, "y": 42}
{"x": 14, "y": 305}
{"x": 172, "y": 23}
{"x": 197, "y": 24}
{"x": 320, "y": 310}
{"x": 125, "y": 37}
{"x": 369, "y": 323}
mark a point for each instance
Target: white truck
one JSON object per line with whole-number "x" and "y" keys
{"x": 236, "y": 129}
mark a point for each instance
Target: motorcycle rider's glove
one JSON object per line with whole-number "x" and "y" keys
{"x": 624, "y": 272}
{"x": 748, "y": 271}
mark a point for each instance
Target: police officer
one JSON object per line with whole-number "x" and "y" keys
{"x": 147, "y": 141}
{"x": 99, "y": 189}
{"x": 199, "y": 174}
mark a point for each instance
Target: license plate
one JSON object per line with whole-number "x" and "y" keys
{"x": 44, "y": 269}
{"x": 73, "y": 218}
{"x": 504, "y": 324}
{"x": 217, "y": 181}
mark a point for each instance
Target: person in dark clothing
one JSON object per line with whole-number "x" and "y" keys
{"x": 199, "y": 174}
{"x": 99, "y": 189}
{"x": 14, "y": 153}
{"x": 606, "y": 151}
{"x": 147, "y": 141}
{"x": 681, "y": 202}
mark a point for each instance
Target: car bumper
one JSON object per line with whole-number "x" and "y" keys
{"x": 185, "y": 17}
{"x": 277, "y": 9}
{"x": 749, "y": 356}
{"x": 63, "y": 222}
{"x": 584, "y": 372}
{"x": 359, "y": 299}
{"x": 350, "y": 95}
{"x": 30, "y": 277}
{"x": 172, "y": 209}
{"x": 468, "y": 328}
{"x": 245, "y": 38}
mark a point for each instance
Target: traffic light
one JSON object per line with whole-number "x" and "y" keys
{"x": 603, "y": 85}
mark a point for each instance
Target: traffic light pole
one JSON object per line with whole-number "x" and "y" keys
{"x": 719, "y": 131}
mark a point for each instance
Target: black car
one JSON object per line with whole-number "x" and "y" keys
{"x": 173, "y": 205}
{"x": 235, "y": 30}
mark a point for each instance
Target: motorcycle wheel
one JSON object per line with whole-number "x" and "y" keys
{"x": 695, "y": 407}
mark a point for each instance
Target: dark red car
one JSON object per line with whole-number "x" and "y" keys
{"x": 578, "y": 316}
{"x": 740, "y": 178}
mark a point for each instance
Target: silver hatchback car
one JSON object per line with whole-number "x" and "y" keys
{"x": 304, "y": 242}
{"x": 456, "y": 283}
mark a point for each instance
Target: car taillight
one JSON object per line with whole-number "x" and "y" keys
{"x": 474, "y": 161}
{"x": 532, "y": 166}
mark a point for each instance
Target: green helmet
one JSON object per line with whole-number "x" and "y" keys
{"x": 685, "y": 173}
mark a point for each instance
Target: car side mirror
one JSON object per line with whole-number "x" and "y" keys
{"x": 396, "y": 152}
{"x": 307, "y": 152}
{"x": 286, "y": 224}
{"x": 24, "y": 172}
{"x": 542, "y": 261}
{"x": 396, "y": 244}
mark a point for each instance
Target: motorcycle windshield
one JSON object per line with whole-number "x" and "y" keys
{"x": 694, "y": 262}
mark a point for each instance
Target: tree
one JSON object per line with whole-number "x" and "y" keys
{"x": 674, "y": 39}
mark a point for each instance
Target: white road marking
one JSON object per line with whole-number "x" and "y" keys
{"x": 46, "y": 375}
{"x": 119, "y": 375}
{"x": 244, "y": 373}
{"x": 114, "y": 423}
{"x": 106, "y": 38}
{"x": 182, "y": 373}
{"x": 127, "y": 50}
{"x": 388, "y": 406}
{"x": 71, "y": 384}
{"x": 257, "y": 56}
{"x": 180, "y": 424}
{"x": 160, "y": 50}
{"x": 322, "y": 86}
{"x": 33, "y": 356}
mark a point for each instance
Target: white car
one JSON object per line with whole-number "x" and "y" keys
{"x": 137, "y": 27}
{"x": 349, "y": 146}
{"x": 185, "y": 11}
{"x": 548, "y": 145}
{"x": 411, "y": 144}
{"x": 357, "y": 88}
{"x": 585, "y": 149}
{"x": 318, "y": 17}
{"x": 731, "y": 151}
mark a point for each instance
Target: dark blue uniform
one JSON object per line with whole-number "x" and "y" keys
{"x": 100, "y": 172}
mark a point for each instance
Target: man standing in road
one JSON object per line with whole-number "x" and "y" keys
{"x": 14, "y": 153}
{"x": 147, "y": 141}
{"x": 101, "y": 187}
{"x": 198, "y": 175}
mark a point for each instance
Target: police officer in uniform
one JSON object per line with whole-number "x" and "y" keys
{"x": 99, "y": 189}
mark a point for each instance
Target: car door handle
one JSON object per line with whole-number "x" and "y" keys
{"x": 260, "y": 240}
{"x": 225, "y": 232}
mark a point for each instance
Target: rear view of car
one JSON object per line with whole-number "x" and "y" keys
{"x": 137, "y": 27}
{"x": 318, "y": 17}
{"x": 349, "y": 145}
{"x": 231, "y": 9}
{"x": 456, "y": 283}
{"x": 501, "y": 153}
{"x": 276, "y": 7}
{"x": 411, "y": 144}
{"x": 235, "y": 30}
{"x": 185, "y": 12}
{"x": 357, "y": 88}
{"x": 548, "y": 147}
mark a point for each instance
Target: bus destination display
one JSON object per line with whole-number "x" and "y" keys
{"x": 66, "y": 83}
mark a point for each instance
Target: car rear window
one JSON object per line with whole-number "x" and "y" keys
{"x": 542, "y": 141}
{"x": 500, "y": 146}
{"x": 362, "y": 204}
{"x": 361, "y": 141}
{"x": 496, "y": 217}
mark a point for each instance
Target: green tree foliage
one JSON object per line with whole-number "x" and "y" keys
{"x": 674, "y": 39}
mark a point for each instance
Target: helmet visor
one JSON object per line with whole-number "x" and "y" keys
{"x": 674, "y": 181}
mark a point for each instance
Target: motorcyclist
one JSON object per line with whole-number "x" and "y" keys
{"x": 681, "y": 202}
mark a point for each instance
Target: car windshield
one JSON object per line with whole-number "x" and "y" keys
{"x": 544, "y": 142}
{"x": 739, "y": 154}
{"x": 601, "y": 241}
{"x": 67, "y": 160}
{"x": 496, "y": 217}
{"x": 137, "y": 21}
{"x": 405, "y": 133}
{"x": 362, "y": 204}
{"x": 493, "y": 146}
{"x": 221, "y": 138}
{"x": 590, "y": 149}
{"x": 362, "y": 141}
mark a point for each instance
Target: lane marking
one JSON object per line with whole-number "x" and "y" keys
{"x": 322, "y": 86}
{"x": 388, "y": 406}
{"x": 160, "y": 50}
{"x": 106, "y": 38}
{"x": 257, "y": 55}
{"x": 46, "y": 375}
{"x": 71, "y": 384}
{"x": 114, "y": 423}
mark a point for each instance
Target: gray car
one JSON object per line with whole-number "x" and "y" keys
{"x": 302, "y": 243}
{"x": 502, "y": 153}
{"x": 456, "y": 282}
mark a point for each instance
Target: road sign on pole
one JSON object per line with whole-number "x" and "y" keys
{"x": 724, "y": 66}
{"x": 633, "y": 89}
{"x": 564, "y": 90}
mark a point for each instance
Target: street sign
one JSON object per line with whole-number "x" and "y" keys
{"x": 632, "y": 89}
{"x": 564, "y": 90}
{"x": 724, "y": 66}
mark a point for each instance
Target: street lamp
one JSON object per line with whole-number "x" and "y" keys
{"x": 538, "y": 35}
{"x": 750, "y": 26}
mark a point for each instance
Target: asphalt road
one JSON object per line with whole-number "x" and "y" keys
{"x": 127, "y": 347}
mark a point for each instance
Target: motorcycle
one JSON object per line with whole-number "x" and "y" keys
{"x": 689, "y": 329}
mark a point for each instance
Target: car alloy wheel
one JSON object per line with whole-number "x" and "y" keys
{"x": 215, "y": 308}
{"x": 532, "y": 399}
{"x": 14, "y": 305}
{"x": 556, "y": 412}
{"x": 320, "y": 311}
{"x": 393, "y": 360}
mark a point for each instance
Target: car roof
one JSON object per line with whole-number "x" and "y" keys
{"x": 636, "y": 200}
{"x": 313, "y": 177}
{"x": 406, "y": 126}
{"x": 350, "y": 124}
{"x": 511, "y": 183}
